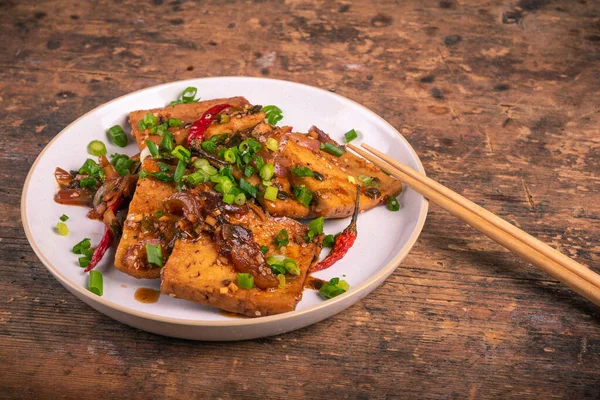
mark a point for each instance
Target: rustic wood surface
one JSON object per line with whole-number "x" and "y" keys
{"x": 501, "y": 101}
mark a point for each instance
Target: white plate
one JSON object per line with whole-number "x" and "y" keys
{"x": 384, "y": 237}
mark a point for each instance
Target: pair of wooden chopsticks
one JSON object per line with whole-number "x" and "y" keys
{"x": 576, "y": 276}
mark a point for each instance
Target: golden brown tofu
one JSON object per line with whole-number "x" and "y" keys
{"x": 187, "y": 113}
{"x": 334, "y": 196}
{"x": 195, "y": 270}
{"x": 143, "y": 225}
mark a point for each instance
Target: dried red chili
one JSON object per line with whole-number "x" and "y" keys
{"x": 199, "y": 127}
{"x": 106, "y": 240}
{"x": 343, "y": 242}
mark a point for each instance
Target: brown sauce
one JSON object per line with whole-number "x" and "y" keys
{"x": 313, "y": 283}
{"x": 147, "y": 295}
{"x": 231, "y": 314}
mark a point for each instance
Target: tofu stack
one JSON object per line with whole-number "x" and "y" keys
{"x": 196, "y": 266}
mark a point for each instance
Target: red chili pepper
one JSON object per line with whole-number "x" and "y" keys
{"x": 199, "y": 127}
{"x": 106, "y": 240}
{"x": 343, "y": 242}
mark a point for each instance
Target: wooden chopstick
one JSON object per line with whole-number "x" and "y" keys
{"x": 576, "y": 276}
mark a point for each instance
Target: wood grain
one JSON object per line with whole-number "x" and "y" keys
{"x": 499, "y": 98}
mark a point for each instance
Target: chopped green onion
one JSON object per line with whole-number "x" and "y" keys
{"x": 154, "y": 254}
{"x": 173, "y": 122}
{"x": 332, "y": 149}
{"x": 164, "y": 167}
{"x": 271, "y": 193}
{"x": 250, "y": 146}
{"x": 161, "y": 129}
{"x": 209, "y": 170}
{"x": 64, "y": 218}
{"x": 315, "y": 227}
{"x": 281, "y": 279}
{"x": 275, "y": 259}
{"x": 88, "y": 181}
{"x": 277, "y": 269}
{"x": 230, "y": 156}
{"x": 117, "y": 136}
{"x": 159, "y": 213}
{"x": 272, "y": 144}
{"x": 188, "y": 94}
{"x": 228, "y": 198}
{"x": 150, "y": 120}
{"x": 143, "y": 174}
{"x": 273, "y": 114}
{"x": 259, "y": 161}
{"x": 264, "y": 249}
{"x": 96, "y": 148}
{"x": 248, "y": 171}
{"x": 343, "y": 285}
{"x": 303, "y": 195}
{"x": 179, "y": 171}
{"x": 291, "y": 267}
{"x": 84, "y": 261}
{"x": 62, "y": 229}
{"x": 95, "y": 283}
{"x": 302, "y": 172}
{"x": 245, "y": 281}
{"x": 267, "y": 171}
{"x": 334, "y": 288}
{"x": 209, "y": 146}
{"x": 162, "y": 176}
{"x": 200, "y": 162}
{"x": 367, "y": 180}
{"x": 393, "y": 204}
{"x": 196, "y": 178}
{"x": 167, "y": 142}
{"x": 350, "y": 135}
{"x": 282, "y": 239}
{"x": 248, "y": 187}
{"x": 85, "y": 244}
{"x": 122, "y": 163}
{"x": 240, "y": 199}
{"x": 89, "y": 167}
{"x": 328, "y": 241}
{"x": 181, "y": 153}
{"x": 152, "y": 148}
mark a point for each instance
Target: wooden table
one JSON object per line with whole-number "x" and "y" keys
{"x": 500, "y": 100}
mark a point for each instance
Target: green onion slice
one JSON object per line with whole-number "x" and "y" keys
{"x": 271, "y": 193}
{"x": 291, "y": 266}
{"x": 245, "y": 280}
{"x": 282, "y": 239}
{"x": 332, "y": 149}
{"x": 267, "y": 171}
{"x": 302, "y": 172}
{"x": 117, "y": 136}
{"x": 334, "y": 288}
{"x": 315, "y": 227}
{"x": 154, "y": 254}
{"x": 96, "y": 148}
{"x": 329, "y": 241}
{"x": 281, "y": 279}
{"x": 393, "y": 204}
{"x": 62, "y": 229}
{"x": 303, "y": 195}
{"x": 272, "y": 144}
{"x": 64, "y": 218}
{"x": 152, "y": 148}
{"x": 95, "y": 284}
{"x": 350, "y": 135}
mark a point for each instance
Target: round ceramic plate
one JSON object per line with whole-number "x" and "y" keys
{"x": 384, "y": 237}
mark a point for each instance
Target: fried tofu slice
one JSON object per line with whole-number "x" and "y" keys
{"x": 196, "y": 272}
{"x": 190, "y": 112}
{"x": 143, "y": 225}
{"x": 334, "y": 195}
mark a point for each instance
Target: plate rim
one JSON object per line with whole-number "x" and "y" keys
{"x": 359, "y": 290}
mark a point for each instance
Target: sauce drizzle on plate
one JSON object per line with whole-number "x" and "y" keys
{"x": 147, "y": 295}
